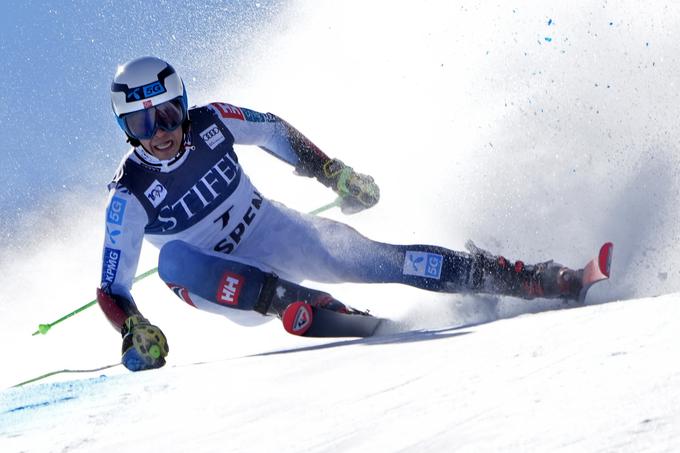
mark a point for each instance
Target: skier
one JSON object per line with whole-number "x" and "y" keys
{"x": 235, "y": 251}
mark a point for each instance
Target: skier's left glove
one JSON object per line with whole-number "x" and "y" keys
{"x": 144, "y": 345}
{"x": 358, "y": 191}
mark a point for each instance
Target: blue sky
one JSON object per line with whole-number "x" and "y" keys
{"x": 56, "y": 63}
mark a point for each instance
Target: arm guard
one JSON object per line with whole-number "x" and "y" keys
{"x": 116, "y": 308}
{"x": 312, "y": 162}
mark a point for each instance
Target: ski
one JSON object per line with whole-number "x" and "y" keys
{"x": 597, "y": 270}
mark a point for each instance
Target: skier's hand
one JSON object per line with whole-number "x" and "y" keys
{"x": 144, "y": 345}
{"x": 358, "y": 191}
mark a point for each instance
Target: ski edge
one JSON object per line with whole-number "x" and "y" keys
{"x": 328, "y": 323}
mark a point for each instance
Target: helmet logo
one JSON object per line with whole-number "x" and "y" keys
{"x": 134, "y": 93}
{"x": 145, "y": 92}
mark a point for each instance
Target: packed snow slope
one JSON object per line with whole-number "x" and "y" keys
{"x": 538, "y": 130}
{"x": 599, "y": 378}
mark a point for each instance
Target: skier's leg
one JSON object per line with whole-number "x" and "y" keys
{"x": 320, "y": 249}
{"x": 232, "y": 286}
{"x": 217, "y": 287}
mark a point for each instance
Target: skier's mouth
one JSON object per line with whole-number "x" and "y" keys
{"x": 164, "y": 146}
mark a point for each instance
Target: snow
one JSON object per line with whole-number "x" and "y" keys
{"x": 598, "y": 378}
{"x": 475, "y": 126}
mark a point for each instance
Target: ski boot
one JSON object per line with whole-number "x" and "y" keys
{"x": 328, "y": 302}
{"x": 497, "y": 275}
{"x": 280, "y": 293}
{"x": 297, "y": 317}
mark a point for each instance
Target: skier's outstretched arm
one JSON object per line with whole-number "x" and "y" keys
{"x": 144, "y": 345}
{"x": 279, "y": 138}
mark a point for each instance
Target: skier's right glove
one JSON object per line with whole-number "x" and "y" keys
{"x": 358, "y": 191}
{"x": 144, "y": 345}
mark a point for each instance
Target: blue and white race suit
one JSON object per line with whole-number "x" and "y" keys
{"x": 204, "y": 197}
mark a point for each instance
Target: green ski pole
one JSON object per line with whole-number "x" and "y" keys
{"x": 44, "y": 328}
{"x": 52, "y": 373}
{"x": 327, "y": 207}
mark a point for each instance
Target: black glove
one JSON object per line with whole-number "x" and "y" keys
{"x": 144, "y": 345}
{"x": 358, "y": 191}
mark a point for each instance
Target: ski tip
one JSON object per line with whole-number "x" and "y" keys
{"x": 597, "y": 269}
{"x": 605, "y": 258}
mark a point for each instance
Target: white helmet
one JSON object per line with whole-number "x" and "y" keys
{"x": 144, "y": 83}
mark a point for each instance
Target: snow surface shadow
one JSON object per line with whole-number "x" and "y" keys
{"x": 468, "y": 310}
{"x": 40, "y": 404}
{"x": 472, "y": 310}
{"x": 403, "y": 337}
{"x": 28, "y": 399}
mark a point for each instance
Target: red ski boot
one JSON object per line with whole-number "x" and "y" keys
{"x": 497, "y": 275}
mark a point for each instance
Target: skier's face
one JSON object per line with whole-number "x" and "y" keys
{"x": 164, "y": 145}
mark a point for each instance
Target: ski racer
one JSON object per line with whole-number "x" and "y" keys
{"x": 182, "y": 188}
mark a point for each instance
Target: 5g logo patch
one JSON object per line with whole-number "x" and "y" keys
{"x": 146, "y": 91}
{"x": 116, "y": 211}
{"x": 423, "y": 264}
{"x": 153, "y": 89}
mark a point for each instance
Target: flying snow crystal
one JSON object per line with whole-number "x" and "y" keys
{"x": 548, "y": 38}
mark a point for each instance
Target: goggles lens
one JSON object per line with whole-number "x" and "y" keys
{"x": 143, "y": 124}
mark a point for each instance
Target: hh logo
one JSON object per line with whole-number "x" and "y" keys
{"x": 229, "y": 288}
{"x": 212, "y": 136}
{"x": 423, "y": 264}
{"x": 156, "y": 193}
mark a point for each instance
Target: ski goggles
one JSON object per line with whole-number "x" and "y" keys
{"x": 143, "y": 124}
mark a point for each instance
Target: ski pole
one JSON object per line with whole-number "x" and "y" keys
{"x": 52, "y": 373}
{"x": 326, "y": 207}
{"x": 44, "y": 328}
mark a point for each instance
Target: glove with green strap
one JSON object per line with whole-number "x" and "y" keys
{"x": 144, "y": 345}
{"x": 358, "y": 191}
